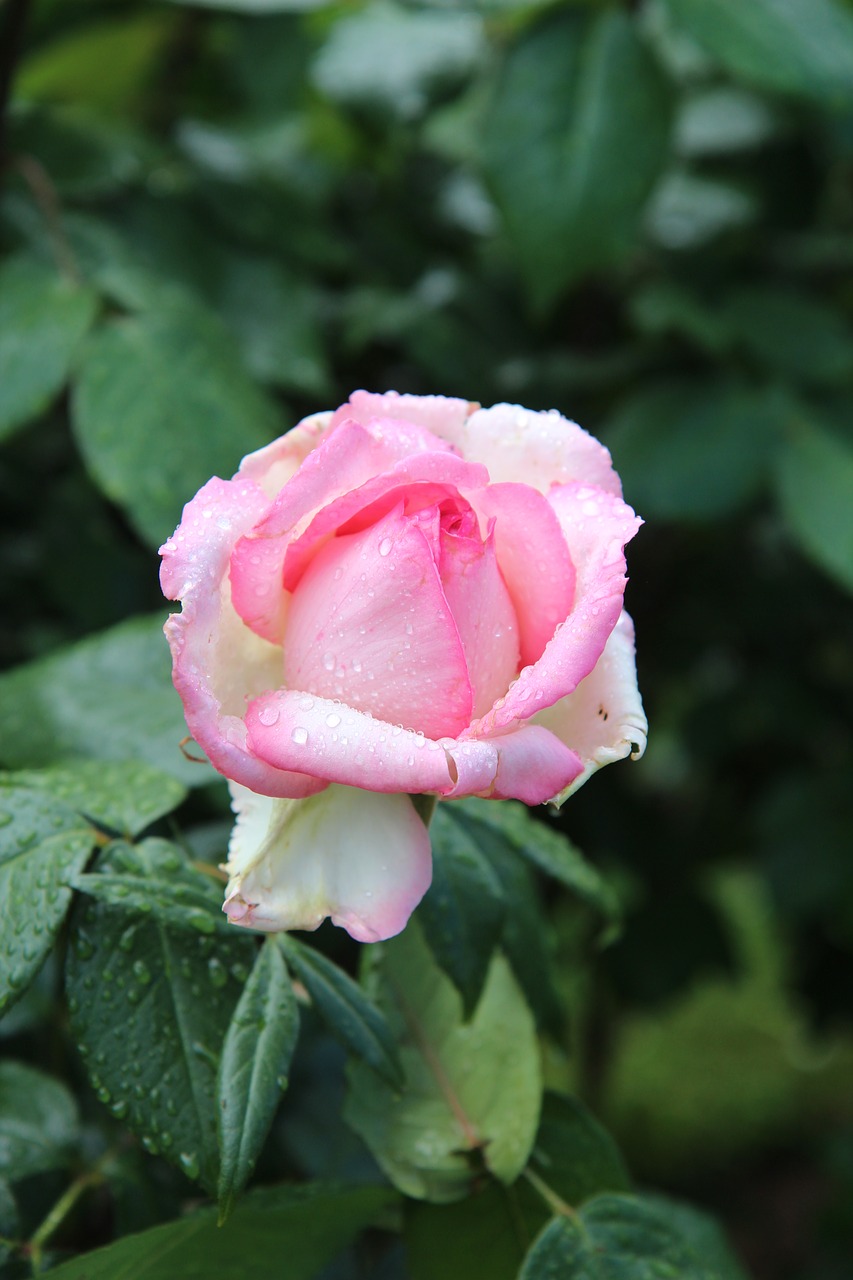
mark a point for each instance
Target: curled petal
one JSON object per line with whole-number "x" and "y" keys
{"x": 216, "y": 661}
{"x": 441, "y": 415}
{"x": 533, "y": 558}
{"x": 539, "y": 449}
{"x": 294, "y": 731}
{"x": 361, "y": 858}
{"x": 272, "y": 466}
{"x": 596, "y": 527}
{"x": 603, "y": 719}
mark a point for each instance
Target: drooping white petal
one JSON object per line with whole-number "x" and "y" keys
{"x": 603, "y": 720}
{"x": 361, "y": 857}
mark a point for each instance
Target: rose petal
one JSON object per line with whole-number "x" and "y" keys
{"x": 369, "y": 623}
{"x": 533, "y": 559}
{"x": 441, "y": 415}
{"x": 483, "y": 612}
{"x": 292, "y": 730}
{"x": 596, "y": 527}
{"x": 361, "y": 858}
{"x": 603, "y": 719}
{"x": 218, "y": 662}
{"x": 273, "y": 465}
{"x": 538, "y": 449}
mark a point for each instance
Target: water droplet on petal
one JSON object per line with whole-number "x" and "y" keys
{"x": 268, "y": 716}
{"x": 385, "y": 546}
{"x": 300, "y": 736}
{"x": 332, "y": 720}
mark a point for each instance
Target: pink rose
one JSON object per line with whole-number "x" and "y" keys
{"x": 408, "y": 595}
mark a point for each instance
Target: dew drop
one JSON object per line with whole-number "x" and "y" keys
{"x": 329, "y": 661}
{"x": 385, "y": 546}
{"x": 333, "y": 720}
{"x": 268, "y": 716}
{"x": 300, "y": 735}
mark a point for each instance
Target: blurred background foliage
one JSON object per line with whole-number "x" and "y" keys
{"x": 217, "y": 218}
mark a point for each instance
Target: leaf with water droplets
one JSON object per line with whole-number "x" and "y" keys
{"x": 616, "y": 1235}
{"x": 42, "y": 845}
{"x": 123, "y": 795}
{"x": 472, "y": 1091}
{"x": 38, "y": 1122}
{"x": 150, "y": 1015}
{"x": 253, "y": 1069}
{"x": 158, "y": 880}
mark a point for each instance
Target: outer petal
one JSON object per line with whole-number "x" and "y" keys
{"x": 441, "y": 415}
{"x": 217, "y": 661}
{"x": 596, "y": 527}
{"x": 361, "y": 858}
{"x": 295, "y": 731}
{"x": 603, "y": 720}
{"x": 369, "y": 623}
{"x": 539, "y": 449}
{"x": 533, "y": 558}
{"x": 273, "y": 465}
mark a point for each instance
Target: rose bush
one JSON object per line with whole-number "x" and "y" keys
{"x": 408, "y": 595}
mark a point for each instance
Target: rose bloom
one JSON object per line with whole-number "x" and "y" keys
{"x": 411, "y": 595}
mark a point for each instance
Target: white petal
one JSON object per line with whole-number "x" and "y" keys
{"x": 361, "y": 857}
{"x": 603, "y": 720}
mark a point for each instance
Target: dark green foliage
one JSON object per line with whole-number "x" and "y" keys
{"x": 217, "y": 217}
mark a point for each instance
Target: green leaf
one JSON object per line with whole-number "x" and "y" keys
{"x": 489, "y": 1233}
{"x": 574, "y": 1154}
{"x": 43, "y": 317}
{"x": 273, "y": 315}
{"x": 791, "y": 334}
{"x": 275, "y": 1233}
{"x": 540, "y": 845}
{"x": 801, "y": 47}
{"x": 472, "y": 1091}
{"x": 690, "y": 449}
{"x": 815, "y": 485}
{"x": 723, "y": 119}
{"x": 103, "y": 64}
{"x": 699, "y": 1230}
{"x": 172, "y": 890}
{"x": 42, "y": 845}
{"x": 160, "y": 404}
{"x": 574, "y": 141}
{"x": 124, "y": 796}
{"x": 109, "y": 697}
{"x": 38, "y": 1122}
{"x": 253, "y": 1069}
{"x": 349, "y": 1014}
{"x": 613, "y": 1236}
{"x": 463, "y": 912}
{"x": 150, "y": 1006}
{"x": 393, "y": 60}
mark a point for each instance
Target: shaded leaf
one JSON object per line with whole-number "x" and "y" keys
{"x": 576, "y": 137}
{"x": 463, "y": 912}
{"x": 38, "y": 1122}
{"x": 349, "y": 1014}
{"x": 276, "y": 1233}
{"x": 43, "y": 318}
{"x": 161, "y": 403}
{"x": 694, "y": 450}
{"x": 108, "y": 697}
{"x": 82, "y": 155}
{"x": 171, "y": 889}
{"x": 815, "y": 485}
{"x": 42, "y": 845}
{"x": 802, "y": 47}
{"x": 688, "y": 211}
{"x": 575, "y": 1154}
{"x": 125, "y": 796}
{"x": 253, "y": 1069}
{"x": 472, "y": 1091}
{"x": 150, "y": 1010}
